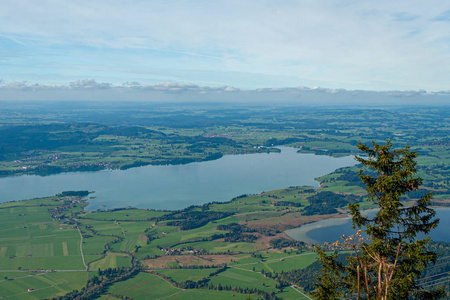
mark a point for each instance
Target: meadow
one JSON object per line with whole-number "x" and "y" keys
{"x": 52, "y": 246}
{"x": 218, "y": 250}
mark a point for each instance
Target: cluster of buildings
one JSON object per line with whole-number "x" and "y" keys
{"x": 60, "y": 209}
{"x": 179, "y": 251}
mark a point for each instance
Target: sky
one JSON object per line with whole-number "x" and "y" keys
{"x": 226, "y": 46}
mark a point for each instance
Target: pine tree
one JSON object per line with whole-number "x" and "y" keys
{"x": 388, "y": 261}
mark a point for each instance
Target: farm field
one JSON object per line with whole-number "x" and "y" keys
{"x": 278, "y": 262}
{"x": 44, "y": 285}
{"x": 31, "y": 239}
{"x": 53, "y": 246}
{"x": 42, "y": 238}
{"x": 180, "y": 275}
{"x": 149, "y": 286}
{"x": 143, "y": 286}
{"x": 210, "y": 249}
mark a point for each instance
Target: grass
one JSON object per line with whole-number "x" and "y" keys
{"x": 132, "y": 232}
{"x": 45, "y": 285}
{"x": 244, "y": 279}
{"x": 48, "y": 201}
{"x": 284, "y": 263}
{"x": 148, "y": 286}
{"x": 180, "y": 275}
{"x": 197, "y": 294}
{"x": 95, "y": 244}
{"x": 34, "y": 240}
{"x": 290, "y": 294}
{"x": 125, "y": 214}
{"x": 233, "y": 247}
{"x": 43, "y": 263}
{"x": 143, "y": 286}
{"x": 176, "y": 238}
{"x": 111, "y": 260}
{"x": 29, "y": 230}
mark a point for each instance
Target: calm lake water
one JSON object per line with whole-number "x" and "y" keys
{"x": 179, "y": 186}
{"x": 331, "y": 230}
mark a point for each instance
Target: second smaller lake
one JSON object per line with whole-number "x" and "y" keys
{"x": 332, "y": 229}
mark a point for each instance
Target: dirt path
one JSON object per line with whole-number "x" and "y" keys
{"x": 81, "y": 249}
{"x": 15, "y": 295}
{"x": 44, "y": 271}
{"x": 275, "y": 259}
{"x": 295, "y": 289}
{"x": 123, "y": 231}
{"x": 172, "y": 295}
{"x": 180, "y": 290}
{"x": 31, "y": 275}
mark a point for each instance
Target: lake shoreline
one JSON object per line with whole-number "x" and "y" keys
{"x": 301, "y": 233}
{"x": 173, "y": 187}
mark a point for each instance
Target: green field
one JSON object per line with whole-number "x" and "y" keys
{"x": 244, "y": 279}
{"x": 34, "y": 240}
{"x": 31, "y": 239}
{"x": 125, "y": 214}
{"x": 144, "y": 286}
{"x": 111, "y": 260}
{"x": 148, "y": 286}
{"x": 41, "y": 240}
{"x": 44, "y": 285}
{"x": 278, "y": 262}
{"x": 180, "y": 275}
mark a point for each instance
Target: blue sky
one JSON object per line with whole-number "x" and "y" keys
{"x": 354, "y": 45}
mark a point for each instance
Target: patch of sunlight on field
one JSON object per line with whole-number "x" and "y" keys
{"x": 65, "y": 249}
{"x": 3, "y": 251}
{"x": 111, "y": 260}
{"x": 38, "y": 250}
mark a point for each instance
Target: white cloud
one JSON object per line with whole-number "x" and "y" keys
{"x": 28, "y": 86}
{"x": 349, "y": 43}
{"x": 89, "y": 84}
{"x": 173, "y": 86}
{"x": 230, "y": 89}
{"x": 90, "y": 89}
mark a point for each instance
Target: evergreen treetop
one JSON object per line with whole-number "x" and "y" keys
{"x": 388, "y": 261}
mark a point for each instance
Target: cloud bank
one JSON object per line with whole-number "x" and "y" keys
{"x": 91, "y": 90}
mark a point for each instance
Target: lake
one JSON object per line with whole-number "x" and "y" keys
{"x": 330, "y": 230}
{"x": 179, "y": 186}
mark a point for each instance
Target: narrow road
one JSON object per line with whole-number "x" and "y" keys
{"x": 123, "y": 231}
{"x": 81, "y": 249}
{"x": 180, "y": 290}
{"x": 15, "y": 295}
{"x": 165, "y": 280}
{"x": 43, "y": 271}
{"x": 245, "y": 270}
{"x": 172, "y": 295}
{"x": 31, "y": 275}
{"x": 295, "y": 289}
{"x": 275, "y": 259}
